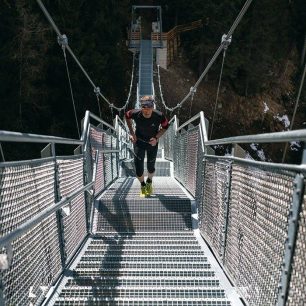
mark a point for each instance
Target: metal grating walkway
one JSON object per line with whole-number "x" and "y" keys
{"x": 143, "y": 252}
{"x": 146, "y": 68}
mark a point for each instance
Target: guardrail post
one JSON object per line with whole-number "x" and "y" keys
{"x": 48, "y": 151}
{"x": 228, "y": 183}
{"x": 294, "y": 214}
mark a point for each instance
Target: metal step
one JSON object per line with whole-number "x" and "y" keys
{"x": 141, "y": 302}
{"x": 195, "y": 273}
{"x": 142, "y": 222}
{"x": 155, "y": 247}
{"x": 144, "y": 252}
{"x": 89, "y": 292}
{"x": 99, "y": 266}
{"x": 143, "y": 282}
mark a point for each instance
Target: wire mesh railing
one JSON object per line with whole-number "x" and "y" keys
{"x": 252, "y": 214}
{"x": 46, "y": 208}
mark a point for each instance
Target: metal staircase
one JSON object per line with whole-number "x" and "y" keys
{"x": 142, "y": 251}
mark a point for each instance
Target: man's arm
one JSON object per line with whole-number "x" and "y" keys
{"x": 160, "y": 133}
{"x": 154, "y": 140}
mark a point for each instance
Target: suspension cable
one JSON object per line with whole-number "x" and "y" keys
{"x": 295, "y": 109}
{"x": 217, "y": 96}
{"x": 56, "y": 29}
{"x": 2, "y": 154}
{"x": 71, "y": 91}
{"x": 226, "y": 40}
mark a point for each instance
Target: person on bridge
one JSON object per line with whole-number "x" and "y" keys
{"x": 150, "y": 124}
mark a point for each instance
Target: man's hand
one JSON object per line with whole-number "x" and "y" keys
{"x": 133, "y": 138}
{"x": 153, "y": 141}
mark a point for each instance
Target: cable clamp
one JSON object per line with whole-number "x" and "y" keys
{"x": 193, "y": 90}
{"x": 226, "y": 41}
{"x": 62, "y": 40}
{"x": 97, "y": 90}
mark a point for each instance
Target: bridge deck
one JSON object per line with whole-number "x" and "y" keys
{"x": 145, "y": 252}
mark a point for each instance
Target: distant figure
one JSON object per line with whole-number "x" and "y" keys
{"x": 150, "y": 124}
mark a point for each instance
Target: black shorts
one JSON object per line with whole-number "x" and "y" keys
{"x": 140, "y": 149}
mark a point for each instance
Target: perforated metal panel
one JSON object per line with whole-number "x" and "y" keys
{"x": 115, "y": 158}
{"x": 180, "y": 157}
{"x": 108, "y": 171}
{"x": 168, "y": 142}
{"x": 213, "y": 205}
{"x": 192, "y": 159}
{"x": 71, "y": 179}
{"x": 297, "y": 289}
{"x": 26, "y": 190}
{"x": 257, "y": 230}
{"x": 97, "y": 144}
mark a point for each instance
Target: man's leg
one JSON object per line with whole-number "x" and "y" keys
{"x": 151, "y": 159}
{"x": 139, "y": 154}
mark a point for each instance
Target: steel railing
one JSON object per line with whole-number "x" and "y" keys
{"x": 46, "y": 207}
{"x": 251, "y": 213}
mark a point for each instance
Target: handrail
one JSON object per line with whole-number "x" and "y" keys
{"x": 274, "y": 137}
{"x": 101, "y": 121}
{"x": 9, "y": 136}
{"x": 122, "y": 123}
{"x": 35, "y": 138}
{"x": 261, "y": 138}
{"x": 189, "y": 121}
{"x": 289, "y": 167}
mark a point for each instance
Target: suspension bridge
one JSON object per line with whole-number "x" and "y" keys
{"x": 218, "y": 230}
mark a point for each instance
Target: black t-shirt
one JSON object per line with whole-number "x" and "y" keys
{"x": 146, "y": 128}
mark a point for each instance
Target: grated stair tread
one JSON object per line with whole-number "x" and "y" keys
{"x": 141, "y": 302}
{"x": 143, "y": 252}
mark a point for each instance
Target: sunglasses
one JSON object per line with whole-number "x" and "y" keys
{"x": 147, "y": 104}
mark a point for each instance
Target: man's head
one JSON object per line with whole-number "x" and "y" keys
{"x": 147, "y": 105}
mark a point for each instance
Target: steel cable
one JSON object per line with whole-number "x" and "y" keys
{"x": 63, "y": 36}
{"x": 226, "y": 39}
{"x": 217, "y": 97}
{"x": 71, "y": 92}
{"x": 295, "y": 109}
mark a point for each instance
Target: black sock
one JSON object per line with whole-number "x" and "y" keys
{"x": 149, "y": 180}
{"x": 143, "y": 184}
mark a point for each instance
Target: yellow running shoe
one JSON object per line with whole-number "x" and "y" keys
{"x": 143, "y": 191}
{"x": 149, "y": 189}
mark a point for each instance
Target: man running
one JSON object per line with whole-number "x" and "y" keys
{"x": 150, "y": 126}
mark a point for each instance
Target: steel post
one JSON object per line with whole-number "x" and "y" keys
{"x": 297, "y": 200}
{"x": 59, "y": 214}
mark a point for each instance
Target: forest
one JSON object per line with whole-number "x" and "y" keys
{"x": 34, "y": 89}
